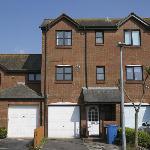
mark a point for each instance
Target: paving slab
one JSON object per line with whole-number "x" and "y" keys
{"x": 15, "y": 144}
{"x": 64, "y": 144}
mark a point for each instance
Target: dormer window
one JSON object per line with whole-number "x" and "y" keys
{"x": 132, "y": 37}
{"x": 63, "y": 38}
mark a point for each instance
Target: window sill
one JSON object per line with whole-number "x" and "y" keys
{"x": 34, "y": 82}
{"x": 99, "y": 44}
{"x": 63, "y": 82}
{"x": 100, "y": 82}
{"x": 63, "y": 47}
{"x": 134, "y": 82}
{"x": 132, "y": 46}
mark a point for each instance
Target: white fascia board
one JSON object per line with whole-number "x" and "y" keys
{"x": 63, "y": 103}
{"x": 137, "y": 103}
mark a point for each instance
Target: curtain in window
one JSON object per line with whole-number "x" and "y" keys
{"x": 135, "y": 37}
{"x": 128, "y": 38}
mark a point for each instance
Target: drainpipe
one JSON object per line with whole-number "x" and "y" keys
{"x": 45, "y": 93}
{"x": 85, "y": 56}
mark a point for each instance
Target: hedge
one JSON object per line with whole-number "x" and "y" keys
{"x": 143, "y": 137}
{"x": 3, "y": 133}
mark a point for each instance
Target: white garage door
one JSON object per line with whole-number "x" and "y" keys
{"x": 144, "y": 115}
{"x": 22, "y": 120}
{"x": 63, "y": 121}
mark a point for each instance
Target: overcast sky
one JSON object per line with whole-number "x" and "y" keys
{"x": 20, "y": 19}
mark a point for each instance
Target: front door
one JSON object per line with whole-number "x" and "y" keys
{"x": 93, "y": 120}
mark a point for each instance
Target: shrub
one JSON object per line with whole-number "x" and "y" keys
{"x": 3, "y": 133}
{"x": 143, "y": 137}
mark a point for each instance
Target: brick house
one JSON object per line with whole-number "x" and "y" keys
{"x": 78, "y": 93}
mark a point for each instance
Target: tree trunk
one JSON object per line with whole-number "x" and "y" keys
{"x": 136, "y": 128}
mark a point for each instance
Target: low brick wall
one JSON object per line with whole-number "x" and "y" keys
{"x": 38, "y": 136}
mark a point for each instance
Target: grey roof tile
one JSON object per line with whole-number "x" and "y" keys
{"x": 21, "y": 62}
{"x": 19, "y": 91}
{"x": 102, "y": 95}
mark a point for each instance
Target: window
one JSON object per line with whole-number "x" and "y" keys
{"x": 100, "y": 73}
{"x": 134, "y": 73}
{"x": 63, "y": 38}
{"x": 93, "y": 114}
{"x": 132, "y": 37}
{"x": 99, "y": 38}
{"x": 34, "y": 77}
{"x": 109, "y": 112}
{"x": 64, "y": 73}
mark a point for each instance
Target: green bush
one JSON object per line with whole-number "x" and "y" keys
{"x": 143, "y": 137}
{"x": 3, "y": 133}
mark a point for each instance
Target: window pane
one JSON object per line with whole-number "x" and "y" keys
{"x": 38, "y": 77}
{"x": 59, "y": 76}
{"x": 100, "y": 76}
{"x": 99, "y": 40}
{"x": 60, "y": 34}
{"x": 59, "y": 70}
{"x": 68, "y": 77}
{"x": 31, "y": 77}
{"x": 68, "y": 34}
{"x": 129, "y": 73}
{"x": 99, "y": 34}
{"x": 67, "y": 41}
{"x": 136, "y": 37}
{"x": 100, "y": 70}
{"x": 138, "y": 73}
{"x": 68, "y": 70}
{"x": 128, "y": 37}
{"x": 60, "y": 42}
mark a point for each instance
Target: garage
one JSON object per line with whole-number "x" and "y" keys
{"x": 63, "y": 121}
{"x": 144, "y": 115}
{"x": 22, "y": 120}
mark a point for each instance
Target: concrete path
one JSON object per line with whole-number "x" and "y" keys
{"x": 64, "y": 144}
{"x": 15, "y": 144}
{"x": 76, "y": 144}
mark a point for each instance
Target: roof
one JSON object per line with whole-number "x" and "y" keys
{"x": 107, "y": 23}
{"x": 20, "y": 62}
{"x": 102, "y": 95}
{"x": 19, "y": 91}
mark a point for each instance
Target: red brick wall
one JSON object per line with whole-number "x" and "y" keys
{"x": 107, "y": 55}
{"x": 11, "y": 79}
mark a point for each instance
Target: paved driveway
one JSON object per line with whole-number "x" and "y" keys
{"x": 64, "y": 144}
{"x": 15, "y": 144}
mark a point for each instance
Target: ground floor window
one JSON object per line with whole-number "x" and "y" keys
{"x": 109, "y": 112}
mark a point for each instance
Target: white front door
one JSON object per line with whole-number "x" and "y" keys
{"x": 93, "y": 120}
{"x": 22, "y": 120}
{"x": 64, "y": 121}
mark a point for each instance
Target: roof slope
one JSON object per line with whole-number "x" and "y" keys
{"x": 102, "y": 95}
{"x": 96, "y": 22}
{"x": 21, "y": 62}
{"x": 19, "y": 91}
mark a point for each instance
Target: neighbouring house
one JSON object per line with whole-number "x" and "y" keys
{"x": 72, "y": 88}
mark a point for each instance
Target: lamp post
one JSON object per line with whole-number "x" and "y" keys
{"x": 121, "y": 45}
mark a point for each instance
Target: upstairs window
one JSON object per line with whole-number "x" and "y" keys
{"x": 132, "y": 37}
{"x": 64, "y": 73}
{"x": 34, "y": 77}
{"x": 63, "y": 38}
{"x": 100, "y": 73}
{"x": 134, "y": 73}
{"x": 99, "y": 37}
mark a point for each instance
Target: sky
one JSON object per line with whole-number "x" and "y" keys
{"x": 20, "y": 19}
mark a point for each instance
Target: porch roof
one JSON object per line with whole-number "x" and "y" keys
{"x": 101, "y": 95}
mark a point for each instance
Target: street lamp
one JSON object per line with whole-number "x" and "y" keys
{"x": 121, "y": 45}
